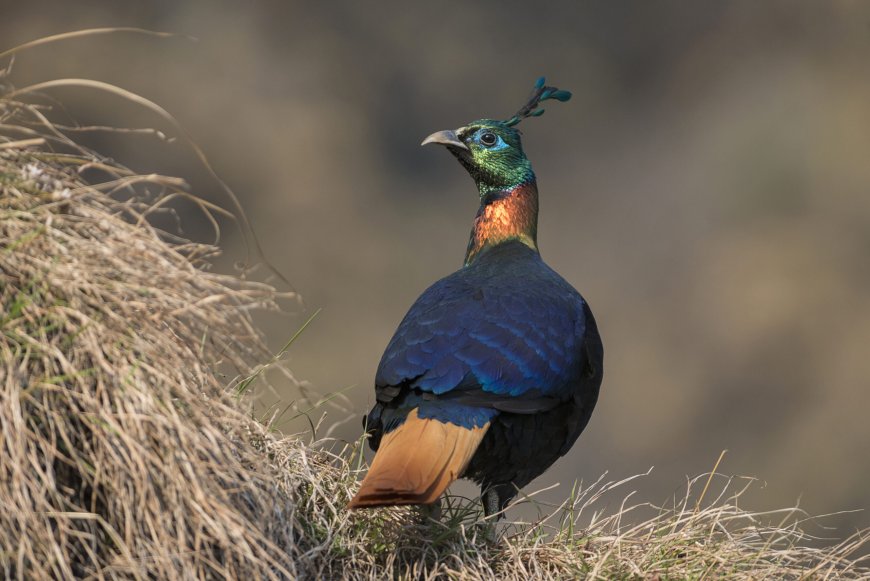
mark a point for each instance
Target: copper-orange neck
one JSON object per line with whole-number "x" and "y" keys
{"x": 505, "y": 215}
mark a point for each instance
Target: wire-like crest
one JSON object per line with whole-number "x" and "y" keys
{"x": 540, "y": 93}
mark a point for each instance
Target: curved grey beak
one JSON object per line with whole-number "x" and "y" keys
{"x": 446, "y": 137}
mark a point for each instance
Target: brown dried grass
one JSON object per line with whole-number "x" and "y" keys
{"x": 124, "y": 454}
{"x": 122, "y": 450}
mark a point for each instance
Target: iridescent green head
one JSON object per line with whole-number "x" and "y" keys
{"x": 491, "y": 150}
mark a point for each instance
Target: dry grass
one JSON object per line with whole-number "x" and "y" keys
{"x": 124, "y": 454}
{"x": 122, "y": 451}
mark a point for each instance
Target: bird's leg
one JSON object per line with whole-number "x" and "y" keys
{"x": 491, "y": 502}
{"x": 431, "y": 511}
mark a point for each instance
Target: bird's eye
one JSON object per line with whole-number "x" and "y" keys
{"x": 488, "y": 138}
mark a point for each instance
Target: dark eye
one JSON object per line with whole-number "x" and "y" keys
{"x": 488, "y": 138}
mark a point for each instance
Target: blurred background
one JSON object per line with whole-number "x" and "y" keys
{"x": 706, "y": 190}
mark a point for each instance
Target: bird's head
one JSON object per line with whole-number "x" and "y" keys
{"x": 491, "y": 150}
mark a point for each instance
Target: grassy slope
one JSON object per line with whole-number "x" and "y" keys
{"x": 125, "y": 455}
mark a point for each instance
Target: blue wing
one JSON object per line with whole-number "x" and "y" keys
{"x": 504, "y": 334}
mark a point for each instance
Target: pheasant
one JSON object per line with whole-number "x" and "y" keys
{"x": 495, "y": 370}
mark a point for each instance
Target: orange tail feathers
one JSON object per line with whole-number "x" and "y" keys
{"x": 416, "y": 462}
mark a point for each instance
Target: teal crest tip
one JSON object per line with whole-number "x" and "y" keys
{"x": 540, "y": 93}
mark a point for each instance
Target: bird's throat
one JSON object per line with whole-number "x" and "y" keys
{"x": 505, "y": 215}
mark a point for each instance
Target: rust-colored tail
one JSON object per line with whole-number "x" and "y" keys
{"x": 416, "y": 462}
